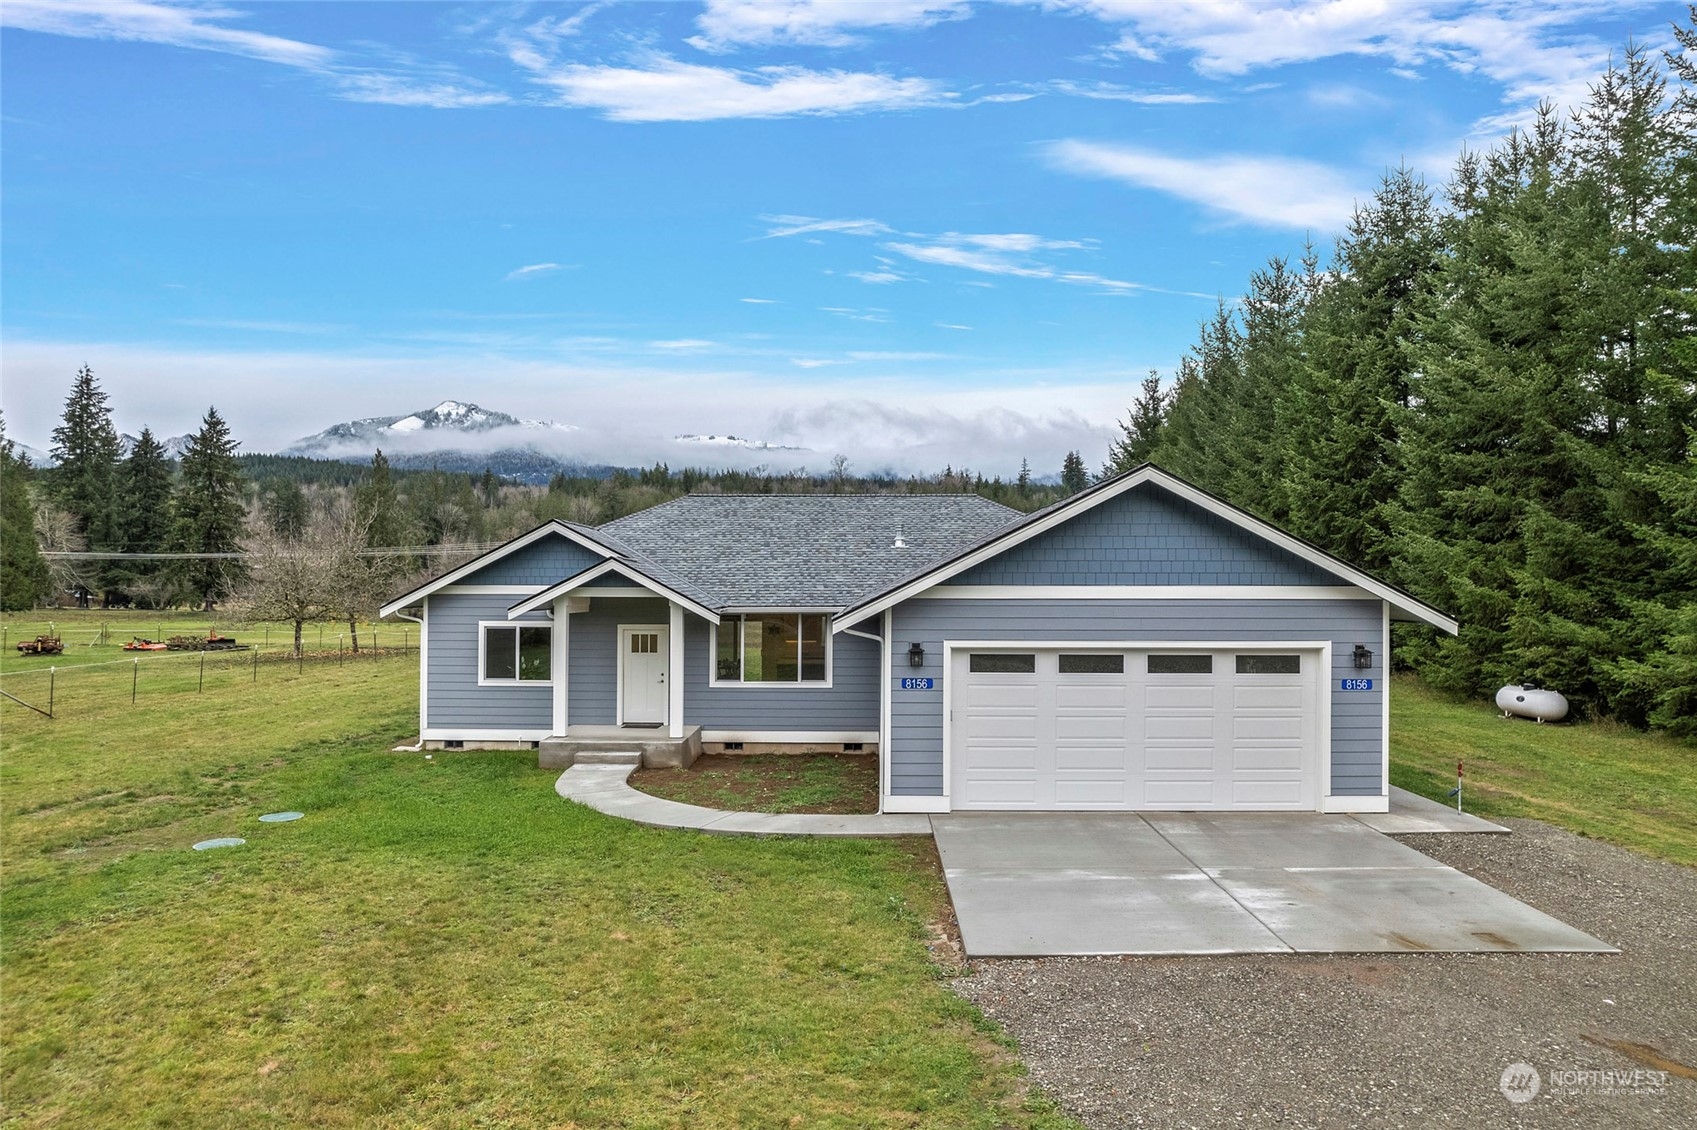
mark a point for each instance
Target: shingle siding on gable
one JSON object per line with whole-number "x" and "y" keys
{"x": 544, "y": 562}
{"x": 1146, "y": 537}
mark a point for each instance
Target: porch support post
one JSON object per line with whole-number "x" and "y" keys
{"x": 559, "y": 663}
{"x": 675, "y": 671}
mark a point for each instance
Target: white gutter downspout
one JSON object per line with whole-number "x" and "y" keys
{"x": 883, "y": 707}
{"x": 420, "y": 745}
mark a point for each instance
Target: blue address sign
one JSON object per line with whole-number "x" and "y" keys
{"x": 1355, "y": 684}
{"x": 918, "y": 684}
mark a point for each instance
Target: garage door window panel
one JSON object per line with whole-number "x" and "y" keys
{"x": 1255, "y": 664}
{"x": 998, "y": 663}
{"x": 1092, "y": 664}
{"x": 1181, "y": 664}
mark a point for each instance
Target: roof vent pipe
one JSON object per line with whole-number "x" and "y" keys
{"x": 900, "y": 542}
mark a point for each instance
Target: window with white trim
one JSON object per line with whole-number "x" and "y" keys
{"x": 515, "y": 653}
{"x": 772, "y": 647}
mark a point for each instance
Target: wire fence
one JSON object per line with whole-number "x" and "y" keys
{"x": 43, "y": 685}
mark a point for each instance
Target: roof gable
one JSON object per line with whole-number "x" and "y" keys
{"x": 482, "y": 566}
{"x": 1074, "y": 508}
{"x": 1146, "y": 536}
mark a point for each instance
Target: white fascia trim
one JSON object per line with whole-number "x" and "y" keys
{"x": 832, "y": 736}
{"x": 490, "y": 590}
{"x": 1355, "y": 804}
{"x": 1185, "y": 491}
{"x": 757, "y": 609}
{"x": 885, "y": 626}
{"x": 914, "y": 803}
{"x": 572, "y": 583}
{"x": 493, "y": 555}
{"x": 1148, "y": 592}
{"x": 450, "y": 734}
{"x": 1385, "y": 703}
{"x": 514, "y": 682}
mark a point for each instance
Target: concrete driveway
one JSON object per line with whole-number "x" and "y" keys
{"x": 1047, "y": 884}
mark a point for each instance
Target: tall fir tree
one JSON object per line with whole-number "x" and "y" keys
{"x": 1074, "y": 477}
{"x": 145, "y": 519}
{"x": 1140, "y": 431}
{"x": 24, "y": 577}
{"x": 1024, "y": 480}
{"x": 210, "y": 516}
{"x": 86, "y": 447}
{"x": 285, "y": 509}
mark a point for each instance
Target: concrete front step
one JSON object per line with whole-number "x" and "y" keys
{"x": 610, "y": 757}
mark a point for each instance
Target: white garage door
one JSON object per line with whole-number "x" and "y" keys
{"x": 1106, "y": 729}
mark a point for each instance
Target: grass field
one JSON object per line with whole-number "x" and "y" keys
{"x": 1634, "y": 789}
{"x": 439, "y": 942}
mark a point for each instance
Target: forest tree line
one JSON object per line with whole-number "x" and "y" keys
{"x": 1486, "y": 397}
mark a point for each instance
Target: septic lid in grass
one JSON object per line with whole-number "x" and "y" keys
{"x": 280, "y": 817}
{"x": 221, "y": 841}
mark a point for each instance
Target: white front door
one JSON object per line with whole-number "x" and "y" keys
{"x": 643, "y": 661}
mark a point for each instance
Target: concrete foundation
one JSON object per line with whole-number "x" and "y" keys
{"x": 749, "y": 749}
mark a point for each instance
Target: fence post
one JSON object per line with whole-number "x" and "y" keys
{"x": 135, "y": 676}
{"x": 268, "y": 635}
{"x": 340, "y": 659}
{"x": 52, "y": 678}
{"x": 320, "y": 635}
{"x": 256, "y": 665}
{"x": 202, "y": 686}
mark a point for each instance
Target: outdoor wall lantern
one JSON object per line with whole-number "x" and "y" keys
{"x": 1363, "y": 658}
{"x": 915, "y": 655}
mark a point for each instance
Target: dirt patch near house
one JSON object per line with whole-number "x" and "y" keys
{"x": 836, "y": 783}
{"x": 1394, "y": 1040}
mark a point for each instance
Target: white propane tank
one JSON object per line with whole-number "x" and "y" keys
{"x": 1530, "y": 702}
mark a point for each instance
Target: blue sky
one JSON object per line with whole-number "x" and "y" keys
{"x": 914, "y": 232}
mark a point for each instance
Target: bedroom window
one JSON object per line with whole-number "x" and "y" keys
{"x": 516, "y": 653}
{"x": 772, "y": 647}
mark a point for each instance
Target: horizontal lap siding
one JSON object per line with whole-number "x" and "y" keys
{"x": 545, "y": 562}
{"x": 850, "y": 703}
{"x": 592, "y": 697}
{"x": 916, "y": 717}
{"x": 454, "y": 699}
{"x": 1146, "y": 537}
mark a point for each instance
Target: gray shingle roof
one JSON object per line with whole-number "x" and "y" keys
{"x": 798, "y": 550}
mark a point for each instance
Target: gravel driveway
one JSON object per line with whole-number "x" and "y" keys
{"x": 1420, "y": 1040}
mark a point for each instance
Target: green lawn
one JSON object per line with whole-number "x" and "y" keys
{"x": 1634, "y": 789}
{"x": 440, "y": 942}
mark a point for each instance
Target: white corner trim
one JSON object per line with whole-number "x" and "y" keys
{"x": 1096, "y": 496}
{"x": 1385, "y": 703}
{"x": 790, "y": 736}
{"x": 500, "y": 551}
{"x": 1341, "y": 804}
{"x": 674, "y": 671}
{"x": 560, "y": 658}
{"x": 885, "y": 622}
{"x": 913, "y": 803}
{"x": 1147, "y": 592}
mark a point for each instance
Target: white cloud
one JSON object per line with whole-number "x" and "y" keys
{"x": 139, "y": 22}
{"x": 878, "y": 278}
{"x": 759, "y": 301}
{"x": 693, "y": 344}
{"x": 904, "y": 421}
{"x": 532, "y": 271}
{"x": 1276, "y": 191}
{"x": 950, "y": 326}
{"x": 401, "y": 90}
{"x": 1529, "y": 47}
{"x": 663, "y": 89}
{"x": 813, "y": 362}
{"x": 1112, "y": 92}
{"x": 785, "y": 226}
{"x": 871, "y": 314}
{"x": 728, "y": 24}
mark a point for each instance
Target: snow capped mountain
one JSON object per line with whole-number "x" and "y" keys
{"x": 735, "y": 441}
{"x": 441, "y": 425}
{"x": 174, "y": 446}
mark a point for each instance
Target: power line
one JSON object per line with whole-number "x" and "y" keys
{"x": 380, "y": 551}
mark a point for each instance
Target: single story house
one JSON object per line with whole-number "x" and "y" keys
{"x": 1139, "y": 645}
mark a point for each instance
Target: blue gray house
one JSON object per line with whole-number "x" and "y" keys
{"x": 1139, "y": 645}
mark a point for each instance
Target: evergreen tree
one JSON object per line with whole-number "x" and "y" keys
{"x": 24, "y": 577}
{"x": 144, "y": 519}
{"x": 380, "y": 506}
{"x": 209, "y": 511}
{"x": 490, "y": 488}
{"x": 1074, "y": 477}
{"x": 85, "y": 444}
{"x": 1140, "y": 431}
{"x": 285, "y": 509}
{"x": 1024, "y": 481}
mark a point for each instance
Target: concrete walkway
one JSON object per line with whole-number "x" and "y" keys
{"x": 606, "y": 788}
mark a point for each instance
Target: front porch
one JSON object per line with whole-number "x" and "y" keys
{"x": 650, "y": 746}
